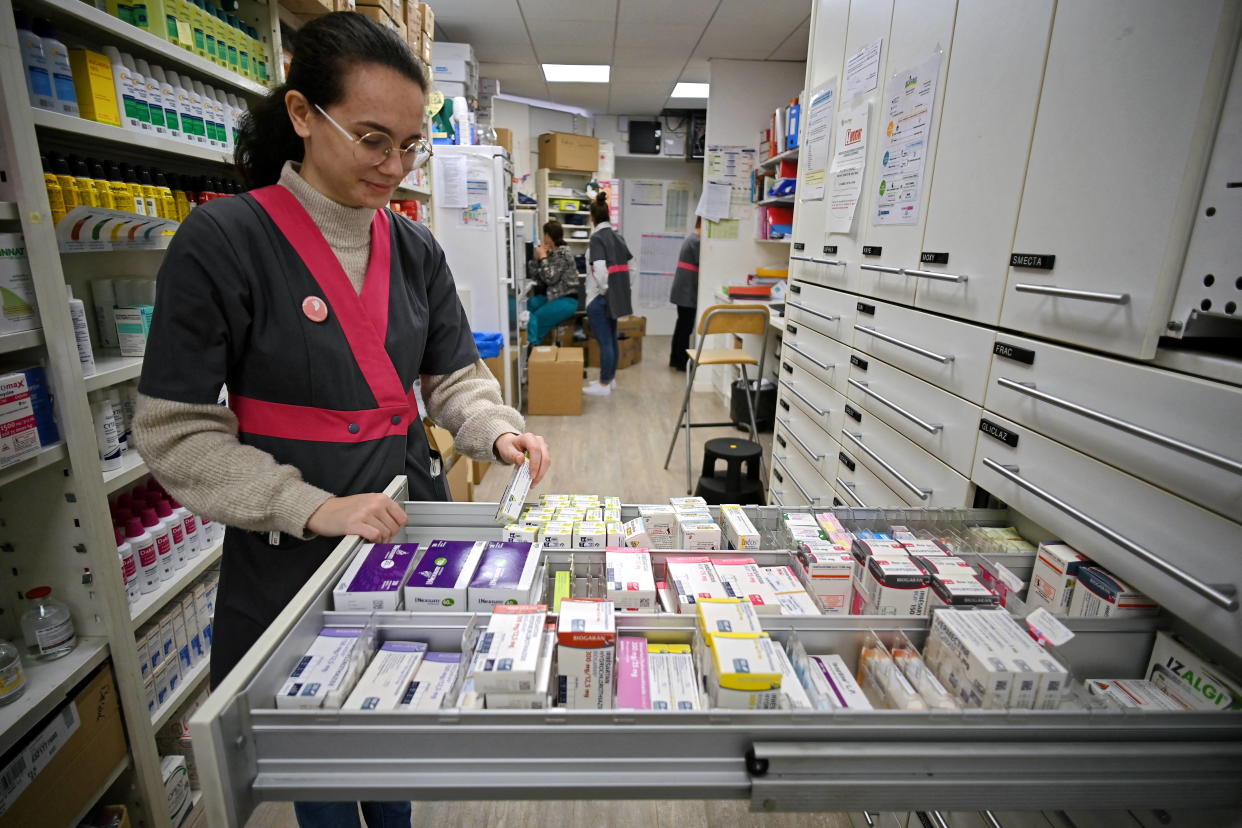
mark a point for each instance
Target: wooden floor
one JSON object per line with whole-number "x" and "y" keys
{"x": 616, "y": 447}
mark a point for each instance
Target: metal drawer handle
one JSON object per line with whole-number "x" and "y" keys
{"x": 837, "y": 262}
{"x": 991, "y": 819}
{"x": 867, "y": 817}
{"x": 931, "y": 274}
{"x": 1066, "y": 293}
{"x": 1220, "y": 599}
{"x": 803, "y": 353}
{"x": 776, "y": 495}
{"x": 801, "y": 258}
{"x": 918, "y": 421}
{"x": 817, "y": 456}
{"x": 892, "y": 340}
{"x": 896, "y": 271}
{"x": 810, "y": 500}
{"x": 820, "y": 411}
{"x": 1122, "y": 425}
{"x": 811, "y": 311}
{"x": 849, "y": 490}
{"x": 921, "y": 494}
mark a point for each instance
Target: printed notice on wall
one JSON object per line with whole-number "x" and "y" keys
{"x": 714, "y": 202}
{"x": 677, "y": 207}
{"x": 450, "y": 175}
{"x": 907, "y": 127}
{"x": 645, "y": 193}
{"x": 475, "y": 215}
{"x": 658, "y": 253}
{"x": 817, "y": 142}
{"x": 847, "y": 168}
{"x": 862, "y": 71}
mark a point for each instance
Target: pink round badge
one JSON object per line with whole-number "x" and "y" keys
{"x": 316, "y": 309}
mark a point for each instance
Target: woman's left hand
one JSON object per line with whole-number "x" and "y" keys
{"x": 514, "y": 448}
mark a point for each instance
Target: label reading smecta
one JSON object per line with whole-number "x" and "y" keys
{"x": 928, "y": 257}
{"x": 860, "y": 364}
{"x": 853, "y": 413}
{"x": 999, "y": 432}
{"x": 1039, "y": 261}
{"x": 1024, "y": 355}
{"x": 872, "y": 250}
{"x": 830, "y": 250}
{"x": 863, "y": 307}
{"x": 845, "y": 460}
{"x": 799, "y": 246}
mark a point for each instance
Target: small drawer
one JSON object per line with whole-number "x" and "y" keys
{"x": 829, "y": 312}
{"x": 1179, "y": 432}
{"x": 795, "y": 481}
{"x": 942, "y": 423}
{"x": 798, "y": 433}
{"x": 813, "y": 264}
{"x": 1183, "y": 556}
{"x": 820, "y": 403}
{"x": 953, "y": 355}
{"x": 918, "y": 477}
{"x": 856, "y": 486}
{"x": 821, "y": 356}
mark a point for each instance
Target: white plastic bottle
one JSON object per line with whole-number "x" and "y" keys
{"x": 208, "y": 112}
{"x": 176, "y": 531}
{"x": 155, "y": 99}
{"x": 163, "y": 542}
{"x": 217, "y": 116}
{"x": 461, "y": 120}
{"x": 138, "y": 83}
{"x": 129, "y": 567}
{"x": 189, "y": 526}
{"x": 224, "y": 116}
{"x": 106, "y": 434}
{"x": 239, "y": 112}
{"x": 81, "y": 334}
{"x": 57, "y": 55}
{"x": 143, "y": 545}
{"x": 208, "y": 528}
{"x": 38, "y": 74}
{"x": 122, "y": 422}
{"x": 195, "y": 89}
{"x": 104, "y": 293}
{"x": 168, "y": 99}
{"x": 190, "y": 127}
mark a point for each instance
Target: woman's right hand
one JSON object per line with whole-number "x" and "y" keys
{"x": 373, "y": 516}
{"x": 541, "y": 252}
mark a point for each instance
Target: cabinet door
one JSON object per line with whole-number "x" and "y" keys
{"x": 999, "y": 48}
{"x": 921, "y": 30}
{"x": 829, "y": 312}
{"x": 857, "y": 486}
{"x": 820, "y": 356}
{"x": 918, "y": 477}
{"x": 795, "y": 480}
{"x": 1130, "y": 100}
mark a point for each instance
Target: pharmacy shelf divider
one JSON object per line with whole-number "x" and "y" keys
{"x": 112, "y": 369}
{"x": 47, "y": 685}
{"x": 190, "y": 682}
{"x": 148, "y": 605}
{"x": 8, "y": 211}
{"x": 51, "y": 455}
{"x": 114, "y": 775}
{"x": 787, "y": 155}
{"x": 21, "y": 340}
{"x": 94, "y": 131}
{"x": 132, "y": 468}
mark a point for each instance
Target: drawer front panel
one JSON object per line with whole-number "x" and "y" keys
{"x": 1123, "y": 523}
{"x": 822, "y": 357}
{"x": 795, "y": 479}
{"x": 918, "y": 477}
{"x": 829, "y": 312}
{"x": 1178, "y": 432}
{"x": 819, "y": 403}
{"x": 857, "y": 486}
{"x": 799, "y": 433}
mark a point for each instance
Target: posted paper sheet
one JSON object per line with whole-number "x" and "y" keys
{"x": 847, "y": 168}
{"x": 862, "y": 70}
{"x": 714, "y": 203}
{"x": 908, "y": 121}
{"x": 817, "y": 141}
{"x": 450, "y": 174}
{"x": 645, "y": 193}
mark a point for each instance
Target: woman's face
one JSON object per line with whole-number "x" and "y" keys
{"x": 376, "y": 99}
{"x": 548, "y": 243}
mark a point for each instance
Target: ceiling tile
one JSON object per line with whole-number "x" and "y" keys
{"x": 641, "y": 43}
{"x": 638, "y": 97}
{"x": 667, "y": 75}
{"x": 653, "y": 12}
{"x": 795, "y": 46}
{"x": 698, "y": 70}
{"x": 590, "y": 10}
{"x": 739, "y": 33}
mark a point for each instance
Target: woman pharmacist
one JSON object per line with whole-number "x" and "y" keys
{"x": 318, "y": 309}
{"x": 608, "y": 292}
{"x": 552, "y": 268}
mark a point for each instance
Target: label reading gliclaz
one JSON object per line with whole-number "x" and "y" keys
{"x": 845, "y": 461}
{"x": 863, "y": 307}
{"x": 999, "y": 432}
{"x": 860, "y": 364}
{"x": 1004, "y": 349}
{"x": 872, "y": 250}
{"x": 830, "y": 250}
{"x": 1039, "y": 261}
{"x": 853, "y": 413}
{"x": 927, "y": 257}
{"x": 799, "y": 246}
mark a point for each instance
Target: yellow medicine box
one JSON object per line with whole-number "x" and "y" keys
{"x": 92, "y": 77}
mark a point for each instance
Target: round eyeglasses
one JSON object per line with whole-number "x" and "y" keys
{"x": 373, "y": 148}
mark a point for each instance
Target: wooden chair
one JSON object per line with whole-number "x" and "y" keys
{"x": 721, "y": 319}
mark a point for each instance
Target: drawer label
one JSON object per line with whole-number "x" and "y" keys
{"x": 927, "y": 257}
{"x": 830, "y": 250}
{"x": 845, "y": 461}
{"x": 1024, "y": 355}
{"x": 795, "y": 288}
{"x": 872, "y": 250}
{"x": 784, "y": 405}
{"x": 781, "y": 440}
{"x": 863, "y": 307}
{"x": 793, "y": 329}
{"x": 787, "y": 367}
{"x": 799, "y": 246}
{"x": 853, "y": 413}
{"x": 778, "y": 476}
{"x": 1039, "y": 261}
{"x": 860, "y": 364}
{"x": 999, "y": 432}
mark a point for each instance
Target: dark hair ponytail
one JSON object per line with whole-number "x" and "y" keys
{"x": 599, "y": 208}
{"x": 325, "y": 49}
{"x": 554, "y": 231}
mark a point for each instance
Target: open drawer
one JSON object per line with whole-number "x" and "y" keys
{"x": 250, "y": 752}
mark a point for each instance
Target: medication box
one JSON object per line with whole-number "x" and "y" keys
{"x": 442, "y": 576}
{"x": 514, "y": 497}
{"x": 375, "y": 577}
{"x": 631, "y": 582}
{"x": 693, "y": 578}
{"x": 324, "y": 676}
{"x": 538, "y": 698}
{"x": 633, "y": 676}
{"x": 432, "y": 681}
{"x": 727, "y": 615}
{"x": 894, "y": 585}
{"x": 744, "y": 672}
{"x": 384, "y": 684}
{"x": 1053, "y": 577}
{"x": 660, "y": 523}
{"x": 674, "y": 681}
{"x": 92, "y": 78}
{"x": 739, "y": 532}
{"x": 742, "y": 578}
{"x": 699, "y": 536}
{"x": 19, "y": 430}
{"x": 18, "y": 310}
{"x": 505, "y": 575}
{"x": 586, "y": 635}
{"x": 1173, "y": 664}
{"x": 1101, "y": 594}
{"x": 832, "y": 678}
{"x": 637, "y": 536}
{"x": 510, "y": 649}
{"x": 830, "y": 568}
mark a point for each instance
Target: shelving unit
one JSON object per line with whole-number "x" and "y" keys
{"x": 774, "y": 241}
{"x": 787, "y": 155}
{"x": 54, "y": 506}
{"x": 189, "y": 684}
{"x": 777, "y": 202}
{"x": 120, "y": 768}
{"x": 575, "y": 179}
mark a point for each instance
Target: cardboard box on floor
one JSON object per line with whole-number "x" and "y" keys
{"x": 71, "y": 779}
{"x": 555, "y": 380}
{"x": 566, "y": 151}
{"x": 629, "y": 329}
{"x": 629, "y": 351}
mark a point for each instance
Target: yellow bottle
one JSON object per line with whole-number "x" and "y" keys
{"x": 168, "y": 205}
{"x": 135, "y": 191}
{"x": 182, "y": 202}
{"x": 222, "y": 34}
{"x": 68, "y": 188}
{"x": 103, "y": 189}
{"x": 149, "y": 192}
{"x": 122, "y": 198}
{"x": 55, "y": 197}
{"x": 82, "y": 181}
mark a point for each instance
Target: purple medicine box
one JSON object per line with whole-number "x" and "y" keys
{"x": 439, "y": 580}
{"x": 375, "y": 577}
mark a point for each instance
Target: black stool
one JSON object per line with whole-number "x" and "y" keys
{"x": 732, "y": 486}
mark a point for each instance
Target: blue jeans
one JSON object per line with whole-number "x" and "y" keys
{"x": 604, "y": 328}
{"x": 345, "y": 814}
{"x": 545, "y": 315}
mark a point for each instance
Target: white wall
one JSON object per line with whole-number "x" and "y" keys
{"x": 516, "y": 117}
{"x": 743, "y": 95}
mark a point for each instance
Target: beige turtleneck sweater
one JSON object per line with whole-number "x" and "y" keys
{"x": 194, "y": 452}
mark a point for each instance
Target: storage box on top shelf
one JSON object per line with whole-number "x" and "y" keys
{"x": 567, "y": 151}
{"x": 308, "y": 7}
{"x": 555, "y": 384}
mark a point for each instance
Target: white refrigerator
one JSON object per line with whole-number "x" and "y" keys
{"x": 474, "y": 224}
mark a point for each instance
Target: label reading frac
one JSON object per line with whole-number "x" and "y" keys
{"x": 795, "y": 288}
{"x": 1004, "y": 349}
{"x": 784, "y": 405}
{"x": 787, "y": 367}
{"x": 781, "y": 440}
{"x": 863, "y": 307}
{"x": 791, "y": 328}
{"x": 853, "y": 413}
{"x": 998, "y": 432}
{"x": 1039, "y": 261}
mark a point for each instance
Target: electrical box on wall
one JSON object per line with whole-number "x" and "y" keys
{"x": 674, "y": 144}
{"x": 696, "y": 136}
{"x": 645, "y": 137}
